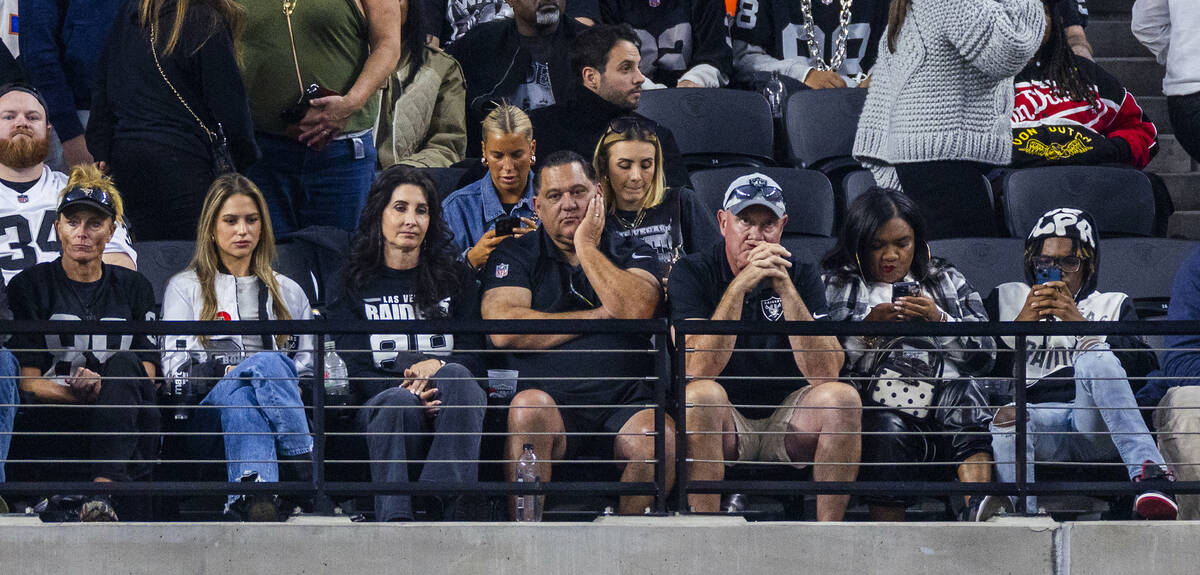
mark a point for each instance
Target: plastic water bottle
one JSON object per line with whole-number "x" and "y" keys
{"x": 529, "y": 506}
{"x": 775, "y": 93}
{"x": 337, "y": 382}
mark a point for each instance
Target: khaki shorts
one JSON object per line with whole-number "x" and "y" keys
{"x": 755, "y": 445}
{"x": 1179, "y": 446}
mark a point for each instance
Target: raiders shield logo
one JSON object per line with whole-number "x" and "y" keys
{"x": 772, "y": 308}
{"x": 501, "y": 270}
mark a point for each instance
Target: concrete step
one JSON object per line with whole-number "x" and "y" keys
{"x": 1155, "y": 108}
{"x": 1171, "y": 157}
{"x": 1184, "y": 188}
{"x": 1142, "y": 76}
{"x": 1184, "y": 225}
{"x": 1101, "y": 8}
{"x": 1113, "y": 39}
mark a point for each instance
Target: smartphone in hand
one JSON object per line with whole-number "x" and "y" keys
{"x": 506, "y": 224}
{"x": 905, "y": 289}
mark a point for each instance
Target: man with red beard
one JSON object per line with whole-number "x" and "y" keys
{"x": 29, "y": 189}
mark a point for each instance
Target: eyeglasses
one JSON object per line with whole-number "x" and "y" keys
{"x": 627, "y": 123}
{"x": 99, "y": 196}
{"x": 1065, "y": 263}
{"x": 748, "y": 191}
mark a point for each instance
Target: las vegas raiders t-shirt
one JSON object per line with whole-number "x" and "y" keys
{"x": 391, "y": 295}
{"x": 778, "y": 27}
{"x": 44, "y": 292}
{"x": 698, "y": 282}
{"x": 27, "y": 217}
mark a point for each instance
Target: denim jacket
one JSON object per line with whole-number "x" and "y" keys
{"x": 473, "y": 210}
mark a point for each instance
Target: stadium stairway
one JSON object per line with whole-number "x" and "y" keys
{"x": 1118, "y": 52}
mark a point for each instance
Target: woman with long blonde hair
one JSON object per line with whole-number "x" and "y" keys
{"x": 629, "y": 166}
{"x": 256, "y": 376}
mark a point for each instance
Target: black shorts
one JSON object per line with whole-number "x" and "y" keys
{"x": 623, "y": 401}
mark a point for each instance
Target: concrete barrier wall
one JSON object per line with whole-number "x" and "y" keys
{"x": 684, "y": 546}
{"x": 611, "y": 546}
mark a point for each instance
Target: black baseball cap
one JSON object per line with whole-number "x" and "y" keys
{"x": 94, "y": 198}
{"x": 28, "y": 89}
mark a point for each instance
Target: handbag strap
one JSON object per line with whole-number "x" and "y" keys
{"x": 212, "y": 137}
{"x": 289, "y": 6}
{"x": 896, "y": 345}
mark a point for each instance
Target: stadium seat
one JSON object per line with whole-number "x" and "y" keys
{"x": 808, "y": 195}
{"x": 292, "y": 260}
{"x": 447, "y": 179}
{"x": 315, "y": 255}
{"x": 158, "y": 261}
{"x": 808, "y": 249}
{"x": 1144, "y": 269}
{"x": 821, "y": 125}
{"x": 854, "y": 184}
{"x": 1120, "y": 199}
{"x": 985, "y": 262}
{"x": 715, "y": 128}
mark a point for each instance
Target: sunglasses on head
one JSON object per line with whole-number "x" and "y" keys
{"x": 1067, "y": 264}
{"x": 626, "y": 123}
{"x": 99, "y": 196}
{"x": 748, "y": 191}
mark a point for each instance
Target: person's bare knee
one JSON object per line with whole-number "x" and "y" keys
{"x": 524, "y": 415}
{"x": 706, "y": 393}
{"x": 636, "y": 440}
{"x": 1005, "y": 417}
{"x": 839, "y": 405}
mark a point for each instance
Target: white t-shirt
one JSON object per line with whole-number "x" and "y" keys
{"x": 27, "y": 234}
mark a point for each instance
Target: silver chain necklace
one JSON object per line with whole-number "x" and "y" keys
{"x": 839, "y": 51}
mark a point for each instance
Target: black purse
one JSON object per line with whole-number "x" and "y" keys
{"x": 906, "y": 376}
{"x": 218, "y": 145}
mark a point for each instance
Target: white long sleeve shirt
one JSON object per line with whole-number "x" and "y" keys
{"x": 1171, "y": 30}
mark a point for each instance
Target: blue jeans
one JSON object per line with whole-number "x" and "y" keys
{"x": 1100, "y": 381}
{"x": 261, "y": 396}
{"x": 9, "y": 398}
{"x": 306, "y": 188}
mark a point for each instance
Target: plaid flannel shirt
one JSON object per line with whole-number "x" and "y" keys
{"x": 846, "y": 293}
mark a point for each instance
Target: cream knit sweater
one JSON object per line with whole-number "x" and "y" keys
{"x": 947, "y": 92}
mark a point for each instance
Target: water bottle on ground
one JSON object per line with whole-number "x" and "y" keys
{"x": 775, "y": 93}
{"x": 529, "y": 506}
{"x": 337, "y": 382}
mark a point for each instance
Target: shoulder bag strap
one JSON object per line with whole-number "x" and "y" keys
{"x": 212, "y": 137}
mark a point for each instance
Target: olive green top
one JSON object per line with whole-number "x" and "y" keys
{"x": 331, "y": 44}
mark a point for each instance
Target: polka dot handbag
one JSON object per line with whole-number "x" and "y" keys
{"x": 906, "y": 374}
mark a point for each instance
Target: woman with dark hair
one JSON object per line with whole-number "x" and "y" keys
{"x": 936, "y": 116}
{"x": 403, "y": 268}
{"x": 167, "y": 92}
{"x": 423, "y": 116}
{"x": 881, "y": 248}
{"x": 255, "y": 379}
{"x": 1068, "y": 110}
{"x": 629, "y": 166}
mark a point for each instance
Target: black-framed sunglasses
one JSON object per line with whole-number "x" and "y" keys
{"x": 626, "y": 123}
{"x": 748, "y": 191}
{"x": 96, "y": 195}
{"x": 1067, "y": 264}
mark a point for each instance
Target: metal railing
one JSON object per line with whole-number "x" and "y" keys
{"x": 669, "y": 383}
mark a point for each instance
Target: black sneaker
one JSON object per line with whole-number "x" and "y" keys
{"x": 255, "y": 509}
{"x": 97, "y": 509}
{"x": 984, "y": 507}
{"x": 1152, "y": 504}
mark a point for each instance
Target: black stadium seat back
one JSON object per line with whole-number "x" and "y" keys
{"x": 160, "y": 260}
{"x": 808, "y": 249}
{"x": 985, "y": 262}
{"x": 1144, "y": 269}
{"x": 808, "y": 195}
{"x": 447, "y": 179}
{"x": 714, "y": 127}
{"x": 294, "y": 260}
{"x": 1120, "y": 199}
{"x": 856, "y": 183}
{"x": 821, "y": 124}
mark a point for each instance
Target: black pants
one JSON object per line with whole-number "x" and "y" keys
{"x": 124, "y": 383}
{"x": 1185, "y": 120}
{"x": 163, "y": 187}
{"x": 952, "y": 196}
{"x": 906, "y": 443}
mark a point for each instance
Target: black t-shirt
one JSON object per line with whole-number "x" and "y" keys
{"x": 391, "y": 295}
{"x": 679, "y": 225}
{"x": 698, "y": 282}
{"x": 43, "y": 292}
{"x": 533, "y": 262}
{"x": 777, "y": 26}
{"x": 676, "y": 35}
{"x": 1073, "y": 13}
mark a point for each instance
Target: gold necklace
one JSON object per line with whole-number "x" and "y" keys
{"x": 637, "y": 220}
